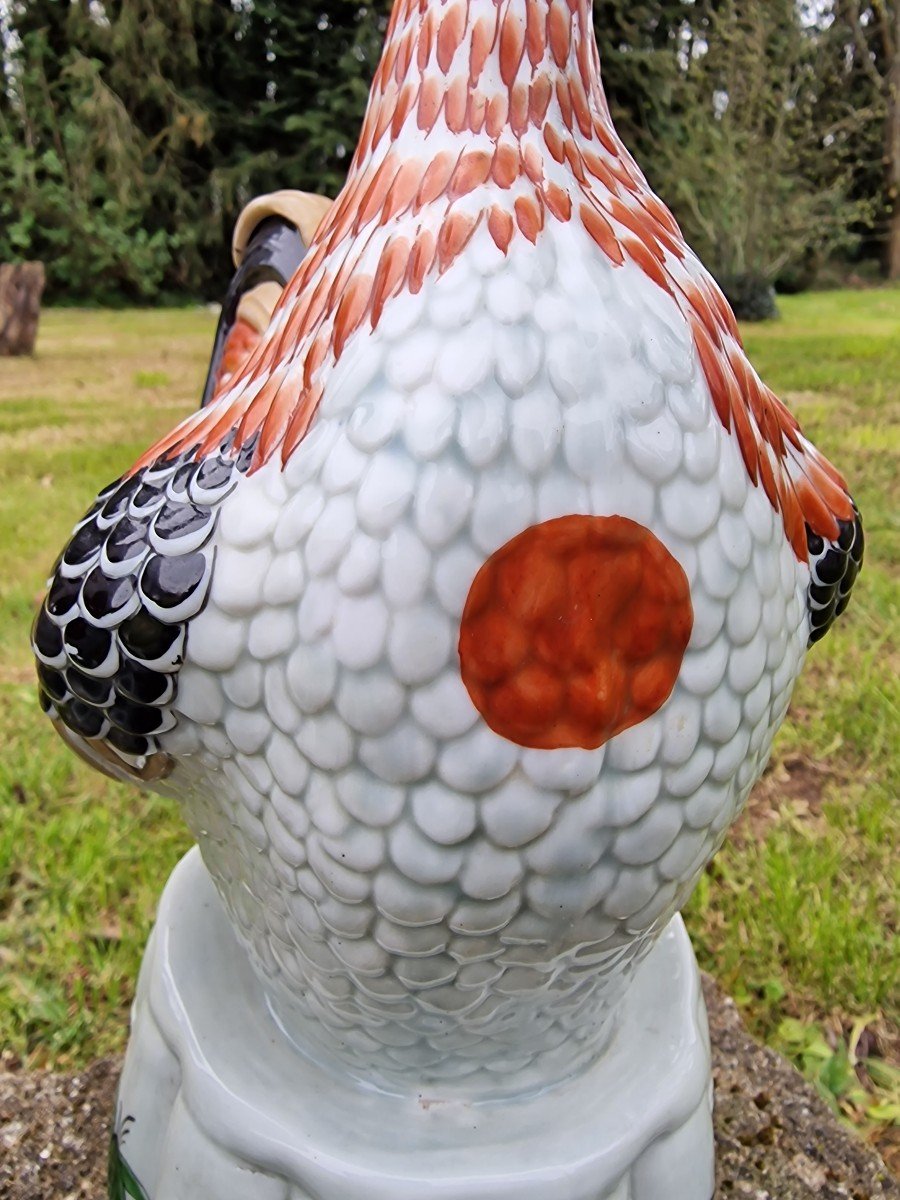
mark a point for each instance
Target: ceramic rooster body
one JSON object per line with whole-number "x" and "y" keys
{"x": 461, "y": 622}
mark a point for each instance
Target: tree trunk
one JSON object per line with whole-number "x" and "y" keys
{"x": 21, "y": 285}
{"x": 892, "y": 152}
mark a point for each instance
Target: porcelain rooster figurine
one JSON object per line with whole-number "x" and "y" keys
{"x": 460, "y": 621}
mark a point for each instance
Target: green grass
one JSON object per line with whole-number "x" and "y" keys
{"x": 797, "y": 915}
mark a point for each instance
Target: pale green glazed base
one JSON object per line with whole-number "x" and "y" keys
{"x": 215, "y": 1102}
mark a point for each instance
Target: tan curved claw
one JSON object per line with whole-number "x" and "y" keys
{"x": 305, "y": 210}
{"x": 99, "y": 756}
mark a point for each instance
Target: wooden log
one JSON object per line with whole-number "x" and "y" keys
{"x": 21, "y": 285}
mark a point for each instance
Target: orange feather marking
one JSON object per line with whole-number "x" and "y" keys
{"x": 436, "y": 178}
{"x": 373, "y": 198}
{"x": 315, "y": 356}
{"x": 558, "y": 201}
{"x": 815, "y": 511}
{"x": 622, "y": 173}
{"x": 512, "y": 46}
{"x": 539, "y": 95}
{"x": 482, "y": 40}
{"x": 317, "y": 301}
{"x": 748, "y": 439}
{"x": 676, "y": 248}
{"x": 385, "y": 115}
{"x": 518, "y": 108}
{"x": 450, "y": 35}
{"x": 421, "y": 260}
{"x": 505, "y": 166}
{"x": 581, "y": 107}
{"x": 646, "y": 261}
{"x": 699, "y": 303}
{"x": 554, "y": 143}
{"x": 792, "y": 518}
{"x": 425, "y": 40}
{"x": 565, "y": 101}
{"x": 389, "y": 275}
{"x": 386, "y": 66}
{"x": 497, "y": 112}
{"x": 534, "y": 165}
{"x": 476, "y": 111}
{"x": 632, "y": 220}
{"x": 606, "y": 137}
{"x": 257, "y": 410}
{"x": 453, "y": 238}
{"x": 576, "y": 162}
{"x": 600, "y": 170}
{"x": 300, "y": 421}
{"x": 471, "y": 171}
{"x": 351, "y": 310}
{"x": 767, "y": 477}
{"x": 456, "y": 104}
{"x": 500, "y": 227}
{"x": 263, "y": 360}
{"x": 602, "y": 233}
{"x": 339, "y": 286}
{"x": 535, "y": 39}
{"x": 660, "y": 213}
{"x": 402, "y": 191}
{"x": 275, "y": 423}
{"x": 431, "y": 96}
{"x": 583, "y": 55}
{"x": 529, "y": 217}
{"x": 405, "y": 56}
{"x": 715, "y": 378}
{"x": 343, "y": 217}
{"x": 830, "y": 471}
{"x": 720, "y": 305}
{"x": 559, "y": 31}
{"x": 218, "y": 426}
{"x": 833, "y": 494}
{"x": 186, "y": 433}
{"x": 404, "y": 105}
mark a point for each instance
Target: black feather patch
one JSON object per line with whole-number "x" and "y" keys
{"x": 833, "y": 567}
{"x": 110, "y": 636}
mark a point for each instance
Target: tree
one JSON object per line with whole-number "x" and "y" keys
{"x": 105, "y": 148}
{"x": 302, "y": 74}
{"x": 869, "y": 36}
{"x": 751, "y": 176}
{"x": 642, "y": 48}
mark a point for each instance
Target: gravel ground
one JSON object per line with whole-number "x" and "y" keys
{"x": 776, "y": 1139}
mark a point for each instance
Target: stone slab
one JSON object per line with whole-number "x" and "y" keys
{"x": 776, "y": 1139}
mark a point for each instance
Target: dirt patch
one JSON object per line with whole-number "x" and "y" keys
{"x": 54, "y": 1131}
{"x": 776, "y": 1140}
{"x": 796, "y": 785}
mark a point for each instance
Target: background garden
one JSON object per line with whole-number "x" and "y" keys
{"x": 133, "y": 131}
{"x": 130, "y": 135}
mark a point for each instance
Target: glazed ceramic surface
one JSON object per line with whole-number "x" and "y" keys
{"x": 461, "y": 621}
{"x": 213, "y": 1103}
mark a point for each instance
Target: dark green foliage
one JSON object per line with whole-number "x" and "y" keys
{"x": 121, "y": 1180}
{"x": 133, "y": 131}
{"x": 128, "y": 144}
{"x": 304, "y": 74}
{"x": 758, "y": 185}
{"x": 751, "y": 296}
{"x": 861, "y": 100}
{"x": 106, "y": 147}
{"x": 642, "y": 43}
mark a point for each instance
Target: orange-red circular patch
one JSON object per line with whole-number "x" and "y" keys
{"x": 573, "y": 631}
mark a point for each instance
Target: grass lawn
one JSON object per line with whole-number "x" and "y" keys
{"x": 796, "y": 916}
